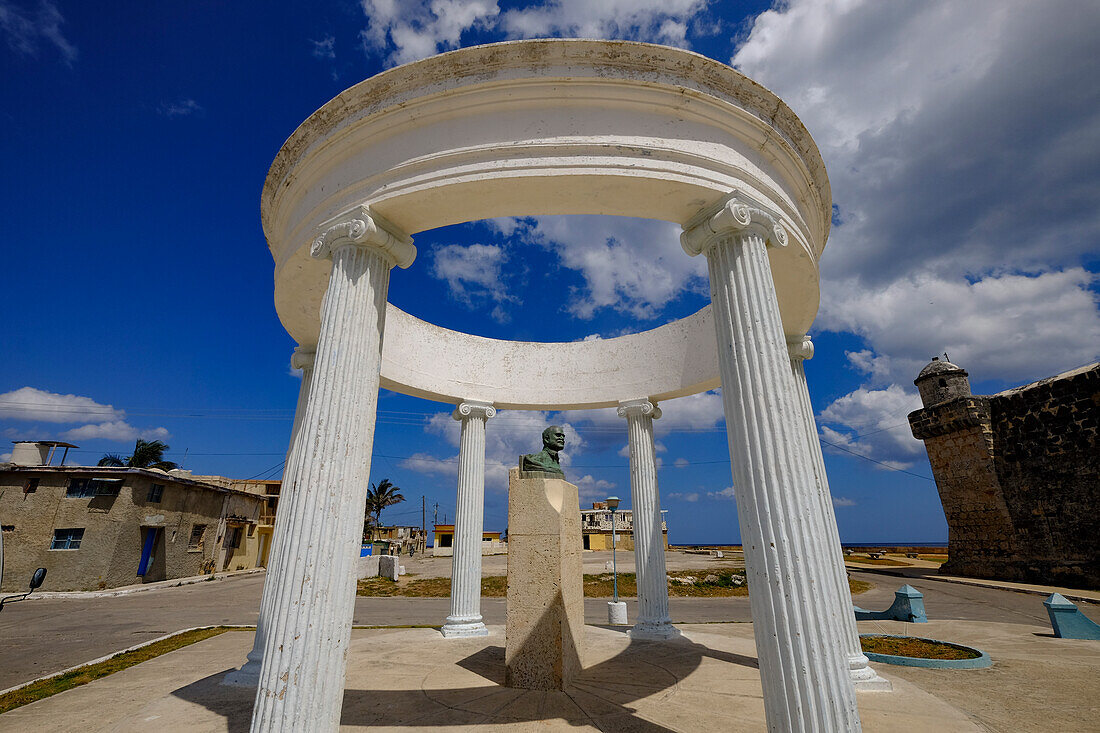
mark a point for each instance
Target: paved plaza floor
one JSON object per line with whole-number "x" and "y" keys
{"x": 412, "y": 679}
{"x": 44, "y": 636}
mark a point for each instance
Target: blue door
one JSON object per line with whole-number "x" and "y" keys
{"x": 147, "y": 549}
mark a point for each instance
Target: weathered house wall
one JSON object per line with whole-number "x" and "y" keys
{"x": 1019, "y": 477}
{"x": 115, "y": 528}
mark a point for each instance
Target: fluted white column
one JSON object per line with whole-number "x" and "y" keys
{"x": 649, "y": 547}
{"x": 803, "y": 666}
{"x": 249, "y": 674}
{"x": 800, "y": 348}
{"x": 305, "y": 655}
{"x": 465, "y": 619}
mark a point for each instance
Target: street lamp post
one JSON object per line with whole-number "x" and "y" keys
{"x": 616, "y": 610}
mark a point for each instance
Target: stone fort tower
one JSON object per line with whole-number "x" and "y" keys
{"x": 1018, "y": 474}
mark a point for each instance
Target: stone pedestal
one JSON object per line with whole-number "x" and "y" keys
{"x": 545, "y": 626}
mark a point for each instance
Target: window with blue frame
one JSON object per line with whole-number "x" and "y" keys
{"x": 67, "y": 539}
{"x": 85, "y": 487}
{"x": 156, "y": 492}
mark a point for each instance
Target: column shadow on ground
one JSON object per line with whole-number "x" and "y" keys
{"x": 601, "y": 696}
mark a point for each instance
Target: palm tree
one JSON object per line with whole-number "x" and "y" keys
{"x": 147, "y": 454}
{"x": 380, "y": 496}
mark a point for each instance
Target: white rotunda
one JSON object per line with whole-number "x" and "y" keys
{"x": 537, "y": 128}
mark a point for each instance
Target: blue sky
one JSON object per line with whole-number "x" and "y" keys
{"x": 962, "y": 142}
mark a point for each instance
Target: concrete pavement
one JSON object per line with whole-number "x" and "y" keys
{"x": 39, "y": 637}
{"x": 414, "y": 679}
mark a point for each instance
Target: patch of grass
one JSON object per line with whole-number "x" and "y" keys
{"x": 411, "y": 587}
{"x": 934, "y": 558}
{"x": 725, "y": 582}
{"x": 866, "y": 560}
{"x": 91, "y": 672}
{"x": 859, "y": 586}
{"x": 600, "y": 585}
{"x": 682, "y": 584}
{"x": 909, "y": 646}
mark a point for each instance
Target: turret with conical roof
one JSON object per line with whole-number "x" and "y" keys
{"x": 941, "y": 381}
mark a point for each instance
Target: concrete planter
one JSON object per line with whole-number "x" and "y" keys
{"x": 980, "y": 662}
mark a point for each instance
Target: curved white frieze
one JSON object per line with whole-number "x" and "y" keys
{"x": 531, "y": 128}
{"x": 424, "y": 360}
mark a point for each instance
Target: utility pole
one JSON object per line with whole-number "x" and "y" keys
{"x": 435, "y": 514}
{"x": 424, "y": 514}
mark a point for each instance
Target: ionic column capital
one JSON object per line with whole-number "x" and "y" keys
{"x": 359, "y": 227}
{"x": 474, "y": 408}
{"x": 639, "y": 407}
{"x": 303, "y": 357}
{"x": 736, "y": 214}
{"x": 799, "y": 346}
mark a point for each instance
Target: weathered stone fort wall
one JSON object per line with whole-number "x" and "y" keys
{"x": 1018, "y": 474}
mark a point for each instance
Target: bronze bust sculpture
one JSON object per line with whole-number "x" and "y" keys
{"x": 546, "y": 460}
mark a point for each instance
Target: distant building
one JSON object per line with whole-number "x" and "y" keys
{"x": 104, "y": 527}
{"x": 443, "y": 542}
{"x": 401, "y": 539}
{"x": 596, "y": 528}
{"x": 1018, "y": 474}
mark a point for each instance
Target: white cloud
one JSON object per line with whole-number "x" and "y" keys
{"x": 474, "y": 275}
{"x": 507, "y": 436}
{"x": 4, "y": 457}
{"x": 691, "y": 496}
{"x": 659, "y": 21}
{"x": 843, "y": 501}
{"x": 324, "y": 48}
{"x": 30, "y": 404}
{"x": 118, "y": 430}
{"x": 873, "y": 423}
{"x": 180, "y": 108}
{"x": 593, "y": 489}
{"x": 963, "y": 148}
{"x": 103, "y": 422}
{"x": 427, "y": 463}
{"x": 697, "y": 412}
{"x": 682, "y": 463}
{"x": 1010, "y": 327}
{"x": 960, "y": 137}
{"x": 406, "y": 30}
{"x": 726, "y": 493}
{"x": 25, "y": 29}
{"x": 634, "y": 266}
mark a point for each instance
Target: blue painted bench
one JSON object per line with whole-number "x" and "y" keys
{"x": 1068, "y": 621}
{"x": 908, "y": 606}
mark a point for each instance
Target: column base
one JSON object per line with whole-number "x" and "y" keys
{"x": 463, "y": 628}
{"x": 653, "y": 631}
{"x": 246, "y": 676}
{"x": 866, "y": 679}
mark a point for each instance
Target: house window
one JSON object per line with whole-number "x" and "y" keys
{"x": 7, "y": 528}
{"x": 32, "y": 485}
{"x": 445, "y": 540}
{"x": 67, "y": 539}
{"x": 197, "y": 532}
{"x": 85, "y": 487}
{"x": 156, "y": 491}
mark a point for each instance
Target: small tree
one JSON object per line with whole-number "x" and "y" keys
{"x": 380, "y": 496}
{"x": 147, "y": 454}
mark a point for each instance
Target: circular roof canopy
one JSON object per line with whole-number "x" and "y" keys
{"x": 544, "y": 127}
